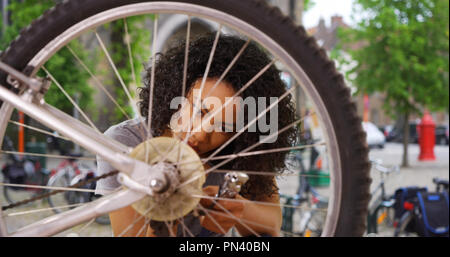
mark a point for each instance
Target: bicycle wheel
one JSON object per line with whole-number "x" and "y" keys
{"x": 59, "y": 202}
{"x": 404, "y": 225}
{"x": 292, "y": 48}
{"x": 33, "y": 178}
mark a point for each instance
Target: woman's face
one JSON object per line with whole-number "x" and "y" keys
{"x": 206, "y": 135}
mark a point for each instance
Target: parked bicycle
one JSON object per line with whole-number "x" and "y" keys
{"x": 69, "y": 172}
{"x": 308, "y": 215}
{"x": 381, "y": 206}
{"x": 422, "y": 213}
{"x": 21, "y": 173}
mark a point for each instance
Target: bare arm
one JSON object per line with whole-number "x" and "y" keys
{"x": 121, "y": 219}
{"x": 265, "y": 219}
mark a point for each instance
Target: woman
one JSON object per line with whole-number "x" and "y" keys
{"x": 168, "y": 81}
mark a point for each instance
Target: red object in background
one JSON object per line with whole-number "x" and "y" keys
{"x": 366, "y": 108}
{"x": 21, "y": 143}
{"x": 427, "y": 138}
{"x": 408, "y": 206}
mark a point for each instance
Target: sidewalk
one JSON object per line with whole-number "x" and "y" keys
{"x": 419, "y": 173}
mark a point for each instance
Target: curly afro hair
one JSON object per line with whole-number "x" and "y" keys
{"x": 168, "y": 85}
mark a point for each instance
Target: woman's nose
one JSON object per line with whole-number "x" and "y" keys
{"x": 201, "y": 132}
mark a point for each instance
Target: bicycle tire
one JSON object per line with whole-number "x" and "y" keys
{"x": 68, "y": 197}
{"x": 330, "y": 85}
{"x": 60, "y": 179}
{"x": 403, "y": 222}
{"x": 14, "y": 195}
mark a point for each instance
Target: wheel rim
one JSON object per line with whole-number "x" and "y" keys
{"x": 239, "y": 25}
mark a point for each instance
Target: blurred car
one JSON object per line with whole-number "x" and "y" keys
{"x": 441, "y": 133}
{"x": 375, "y": 138}
{"x": 387, "y": 131}
{"x": 396, "y": 134}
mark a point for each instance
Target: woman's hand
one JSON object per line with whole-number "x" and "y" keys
{"x": 218, "y": 220}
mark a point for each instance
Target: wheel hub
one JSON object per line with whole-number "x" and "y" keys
{"x": 178, "y": 164}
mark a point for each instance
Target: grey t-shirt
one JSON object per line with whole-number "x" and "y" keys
{"x": 131, "y": 133}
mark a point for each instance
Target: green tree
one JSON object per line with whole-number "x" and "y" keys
{"x": 63, "y": 65}
{"x": 129, "y": 37}
{"x": 404, "y": 55}
{"x": 308, "y": 4}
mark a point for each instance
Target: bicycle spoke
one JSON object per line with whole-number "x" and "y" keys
{"x": 258, "y": 153}
{"x": 284, "y": 149}
{"x": 212, "y": 218}
{"x": 97, "y": 82}
{"x": 217, "y": 82}
{"x": 132, "y": 102}
{"x": 250, "y": 222}
{"x": 127, "y": 92}
{"x": 41, "y": 210}
{"x": 133, "y": 73}
{"x": 152, "y": 77}
{"x": 48, "y": 187}
{"x": 48, "y": 155}
{"x": 243, "y": 151}
{"x": 130, "y": 98}
{"x": 208, "y": 119}
{"x": 222, "y": 77}
{"x": 71, "y": 100}
{"x": 116, "y": 72}
{"x": 136, "y": 220}
{"x": 186, "y": 56}
{"x": 85, "y": 226}
{"x": 234, "y": 217}
{"x": 185, "y": 229}
{"x": 268, "y": 173}
{"x": 256, "y": 144}
{"x": 185, "y": 67}
{"x": 196, "y": 104}
{"x": 146, "y": 223}
{"x": 258, "y": 202}
{"x": 170, "y": 228}
{"x": 251, "y": 123}
{"x": 38, "y": 130}
{"x": 130, "y": 55}
{"x": 259, "y": 74}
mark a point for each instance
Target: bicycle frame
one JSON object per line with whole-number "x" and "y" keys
{"x": 380, "y": 202}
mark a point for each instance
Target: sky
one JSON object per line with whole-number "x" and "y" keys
{"x": 326, "y": 9}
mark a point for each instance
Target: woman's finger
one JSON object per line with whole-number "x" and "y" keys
{"x": 209, "y": 191}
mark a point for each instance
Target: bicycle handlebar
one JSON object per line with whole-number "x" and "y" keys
{"x": 383, "y": 169}
{"x": 442, "y": 182}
